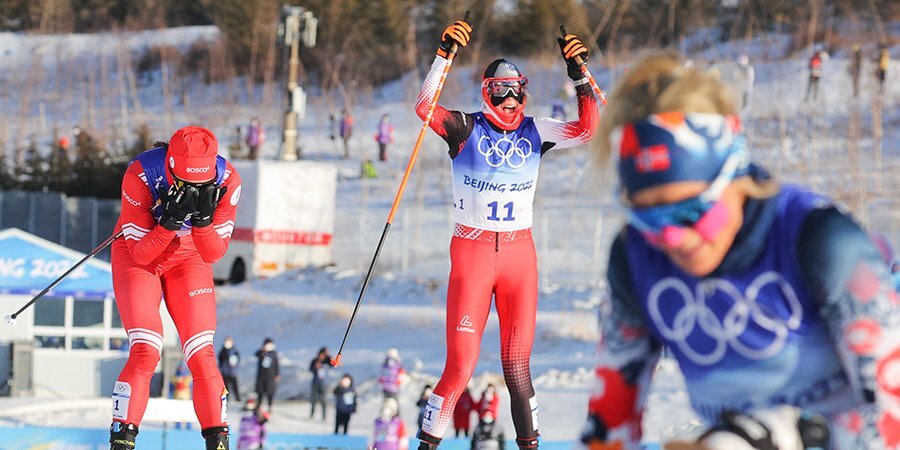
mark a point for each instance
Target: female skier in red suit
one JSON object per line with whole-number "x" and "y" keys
{"x": 178, "y": 207}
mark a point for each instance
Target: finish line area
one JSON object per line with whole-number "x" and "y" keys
{"x": 55, "y": 438}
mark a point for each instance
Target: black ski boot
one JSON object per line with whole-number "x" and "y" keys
{"x": 527, "y": 444}
{"x": 122, "y": 436}
{"x": 427, "y": 441}
{"x": 216, "y": 438}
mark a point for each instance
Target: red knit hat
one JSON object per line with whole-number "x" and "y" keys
{"x": 192, "y": 154}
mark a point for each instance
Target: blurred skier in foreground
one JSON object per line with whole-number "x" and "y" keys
{"x": 495, "y": 156}
{"x": 775, "y": 303}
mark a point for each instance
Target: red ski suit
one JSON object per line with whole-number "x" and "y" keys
{"x": 492, "y": 253}
{"x": 152, "y": 263}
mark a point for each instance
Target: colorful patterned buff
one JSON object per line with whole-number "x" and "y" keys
{"x": 671, "y": 147}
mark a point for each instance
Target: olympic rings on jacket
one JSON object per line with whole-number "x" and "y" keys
{"x": 718, "y": 316}
{"x": 505, "y": 151}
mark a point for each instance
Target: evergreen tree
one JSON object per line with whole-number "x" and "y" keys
{"x": 32, "y": 172}
{"x": 59, "y": 169}
{"x": 143, "y": 142}
{"x": 88, "y": 169}
{"x": 8, "y": 180}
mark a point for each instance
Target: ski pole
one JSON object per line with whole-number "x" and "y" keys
{"x": 336, "y": 361}
{"x": 11, "y": 319}
{"x": 584, "y": 69}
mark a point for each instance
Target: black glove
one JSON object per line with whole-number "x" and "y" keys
{"x": 209, "y": 196}
{"x": 571, "y": 47}
{"x": 178, "y": 205}
{"x": 458, "y": 32}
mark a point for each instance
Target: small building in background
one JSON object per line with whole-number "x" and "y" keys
{"x": 70, "y": 343}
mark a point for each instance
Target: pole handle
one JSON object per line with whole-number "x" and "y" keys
{"x": 584, "y": 69}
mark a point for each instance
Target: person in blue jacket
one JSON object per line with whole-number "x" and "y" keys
{"x": 229, "y": 360}
{"x": 344, "y": 403}
{"x": 775, "y": 303}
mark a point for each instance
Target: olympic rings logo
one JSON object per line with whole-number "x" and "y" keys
{"x": 505, "y": 151}
{"x": 696, "y": 316}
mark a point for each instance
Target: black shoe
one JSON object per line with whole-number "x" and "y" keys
{"x": 216, "y": 438}
{"x": 122, "y": 436}
{"x": 426, "y": 446}
{"x": 427, "y": 441}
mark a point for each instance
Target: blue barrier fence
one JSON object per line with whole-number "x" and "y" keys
{"x": 47, "y": 438}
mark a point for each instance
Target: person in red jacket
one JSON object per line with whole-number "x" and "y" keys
{"x": 489, "y": 402}
{"x": 178, "y": 208}
{"x": 462, "y": 414}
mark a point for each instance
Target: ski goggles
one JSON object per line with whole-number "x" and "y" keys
{"x": 505, "y": 87}
{"x": 704, "y": 213}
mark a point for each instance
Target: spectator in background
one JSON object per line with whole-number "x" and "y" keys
{"x": 118, "y": 344}
{"x": 181, "y": 388}
{"x": 488, "y": 434}
{"x": 390, "y": 431}
{"x": 344, "y": 403}
{"x": 884, "y": 59}
{"x": 181, "y": 383}
{"x": 422, "y": 402}
{"x": 747, "y": 76}
{"x": 229, "y": 359}
{"x": 815, "y": 73}
{"x": 384, "y": 135}
{"x": 855, "y": 68}
{"x": 564, "y": 95}
{"x": 256, "y": 135}
{"x": 252, "y": 432}
{"x": 267, "y": 373}
{"x": 392, "y": 374}
{"x": 368, "y": 169}
{"x": 346, "y": 130}
{"x": 489, "y": 402}
{"x": 319, "y": 368}
{"x": 463, "y": 413}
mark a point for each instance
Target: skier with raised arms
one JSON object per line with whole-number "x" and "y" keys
{"x": 495, "y": 155}
{"x": 775, "y": 303}
{"x": 178, "y": 207}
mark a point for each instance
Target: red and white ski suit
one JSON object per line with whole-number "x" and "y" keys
{"x": 152, "y": 263}
{"x": 492, "y": 253}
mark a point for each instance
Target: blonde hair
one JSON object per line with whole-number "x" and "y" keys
{"x": 661, "y": 82}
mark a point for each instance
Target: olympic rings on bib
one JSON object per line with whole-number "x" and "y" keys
{"x": 505, "y": 151}
{"x": 698, "y": 319}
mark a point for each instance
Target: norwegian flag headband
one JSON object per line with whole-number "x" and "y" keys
{"x": 671, "y": 147}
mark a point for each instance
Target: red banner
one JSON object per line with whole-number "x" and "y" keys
{"x": 281, "y": 237}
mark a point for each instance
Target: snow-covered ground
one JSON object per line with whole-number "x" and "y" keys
{"x": 575, "y": 219}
